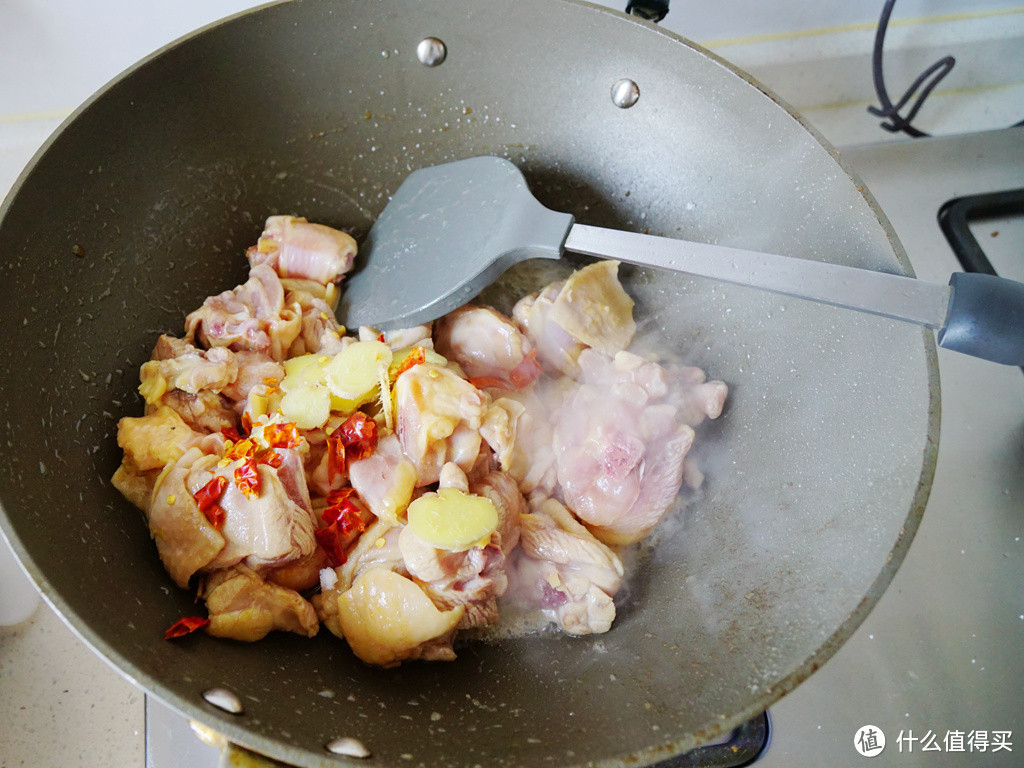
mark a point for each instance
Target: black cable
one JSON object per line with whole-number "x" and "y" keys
{"x": 652, "y": 10}
{"x": 888, "y": 110}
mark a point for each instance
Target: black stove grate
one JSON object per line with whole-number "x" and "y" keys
{"x": 956, "y": 215}
{"x": 745, "y": 745}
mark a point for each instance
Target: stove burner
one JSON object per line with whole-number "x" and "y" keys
{"x": 744, "y": 746}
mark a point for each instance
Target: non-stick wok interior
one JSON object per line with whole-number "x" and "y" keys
{"x": 144, "y": 203}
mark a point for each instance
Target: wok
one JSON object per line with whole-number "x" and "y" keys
{"x": 143, "y": 202}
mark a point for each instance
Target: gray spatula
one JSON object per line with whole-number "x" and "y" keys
{"x": 452, "y": 229}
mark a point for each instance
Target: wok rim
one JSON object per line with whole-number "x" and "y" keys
{"x": 242, "y": 736}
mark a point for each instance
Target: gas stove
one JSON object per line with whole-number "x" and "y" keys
{"x": 935, "y": 670}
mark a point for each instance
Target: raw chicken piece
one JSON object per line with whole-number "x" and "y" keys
{"x": 488, "y": 347}
{"x": 300, "y": 574}
{"x": 252, "y": 316}
{"x": 377, "y": 547}
{"x": 150, "y": 443}
{"x": 269, "y": 529}
{"x": 385, "y": 479}
{"x": 255, "y": 371}
{"x": 185, "y": 539}
{"x": 472, "y": 579}
{"x": 294, "y": 247}
{"x": 438, "y": 419}
{"x": 504, "y": 494}
{"x": 205, "y": 411}
{"x": 292, "y": 474}
{"x": 694, "y": 396}
{"x": 244, "y": 607}
{"x": 154, "y": 440}
{"x": 475, "y": 577}
{"x": 619, "y": 450}
{"x": 320, "y": 331}
{"x": 176, "y": 364}
{"x": 518, "y": 428}
{"x": 190, "y": 381}
{"x": 356, "y": 597}
{"x": 387, "y": 619}
{"x": 589, "y": 309}
{"x": 414, "y": 336}
{"x": 564, "y": 569}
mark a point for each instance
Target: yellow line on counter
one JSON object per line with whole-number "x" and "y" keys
{"x": 31, "y": 117}
{"x": 935, "y": 94}
{"x": 861, "y": 26}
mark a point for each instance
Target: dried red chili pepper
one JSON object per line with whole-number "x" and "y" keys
{"x": 337, "y": 463}
{"x": 240, "y": 449}
{"x": 185, "y": 626}
{"x": 216, "y": 515}
{"x": 343, "y": 511}
{"x": 338, "y": 496}
{"x": 350, "y": 521}
{"x": 271, "y": 458}
{"x": 415, "y": 357}
{"x": 231, "y": 434}
{"x": 329, "y": 539}
{"x": 359, "y": 436}
{"x": 282, "y": 435}
{"x": 485, "y": 382}
{"x": 247, "y": 477}
{"x": 207, "y": 497}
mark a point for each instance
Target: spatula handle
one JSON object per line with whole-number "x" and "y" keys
{"x": 986, "y": 318}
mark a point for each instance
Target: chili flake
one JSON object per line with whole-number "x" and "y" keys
{"x": 282, "y": 435}
{"x": 185, "y": 626}
{"x": 207, "y": 498}
{"x": 417, "y": 356}
{"x": 240, "y": 449}
{"x": 337, "y": 463}
{"x": 247, "y": 477}
{"x": 329, "y": 539}
{"x": 342, "y": 510}
{"x": 359, "y": 435}
{"x": 487, "y": 382}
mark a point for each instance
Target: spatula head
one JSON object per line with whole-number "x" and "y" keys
{"x": 448, "y": 232}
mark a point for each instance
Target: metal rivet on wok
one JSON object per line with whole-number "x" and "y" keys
{"x": 431, "y": 51}
{"x": 625, "y": 93}
{"x": 223, "y": 699}
{"x": 348, "y": 747}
